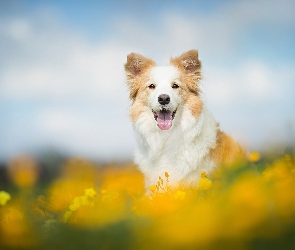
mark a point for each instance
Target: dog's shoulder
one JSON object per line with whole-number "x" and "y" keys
{"x": 226, "y": 151}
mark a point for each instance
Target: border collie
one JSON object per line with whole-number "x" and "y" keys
{"x": 175, "y": 132}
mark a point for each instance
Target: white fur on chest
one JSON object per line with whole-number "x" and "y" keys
{"x": 182, "y": 151}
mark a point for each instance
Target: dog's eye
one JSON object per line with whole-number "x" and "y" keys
{"x": 152, "y": 86}
{"x": 175, "y": 86}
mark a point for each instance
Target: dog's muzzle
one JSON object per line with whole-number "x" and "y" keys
{"x": 164, "y": 118}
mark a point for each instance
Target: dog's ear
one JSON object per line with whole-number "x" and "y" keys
{"x": 188, "y": 62}
{"x": 190, "y": 66}
{"x": 136, "y": 64}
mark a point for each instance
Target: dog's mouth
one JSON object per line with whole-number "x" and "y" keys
{"x": 164, "y": 118}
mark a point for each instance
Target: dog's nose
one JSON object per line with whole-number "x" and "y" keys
{"x": 164, "y": 99}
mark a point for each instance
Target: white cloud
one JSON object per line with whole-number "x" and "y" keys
{"x": 252, "y": 81}
{"x": 88, "y": 71}
{"x": 79, "y": 85}
{"x": 91, "y": 136}
{"x": 259, "y": 81}
{"x": 17, "y": 29}
{"x": 251, "y": 12}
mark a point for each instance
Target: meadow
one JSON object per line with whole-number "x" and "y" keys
{"x": 84, "y": 205}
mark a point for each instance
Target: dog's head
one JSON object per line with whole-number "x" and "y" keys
{"x": 162, "y": 90}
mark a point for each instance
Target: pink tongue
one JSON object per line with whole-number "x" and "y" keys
{"x": 164, "y": 120}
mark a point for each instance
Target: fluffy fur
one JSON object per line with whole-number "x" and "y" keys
{"x": 175, "y": 132}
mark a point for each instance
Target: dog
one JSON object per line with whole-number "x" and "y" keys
{"x": 176, "y": 135}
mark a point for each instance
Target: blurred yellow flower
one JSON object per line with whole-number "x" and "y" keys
{"x": 278, "y": 171}
{"x": 103, "y": 191}
{"x": 16, "y": 232}
{"x": 253, "y": 157}
{"x": 67, "y": 216}
{"x": 203, "y": 174}
{"x": 249, "y": 204}
{"x": 63, "y": 191}
{"x": 179, "y": 195}
{"x": 152, "y": 188}
{"x": 23, "y": 170}
{"x": 4, "y": 197}
{"x": 78, "y": 202}
{"x": 166, "y": 175}
{"x": 247, "y": 196}
{"x": 125, "y": 179}
{"x": 90, "y": 192}
{"x": 84, "y": 200}
{"x": 76, "y": 168}
{"x": 204, "y": 182}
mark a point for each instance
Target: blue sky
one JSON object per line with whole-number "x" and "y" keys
{"x": 62, "y": 83}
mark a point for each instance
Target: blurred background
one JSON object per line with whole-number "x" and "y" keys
{"x": 62, "y": 83}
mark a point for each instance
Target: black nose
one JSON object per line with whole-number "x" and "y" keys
{"x": 163, "y": 99}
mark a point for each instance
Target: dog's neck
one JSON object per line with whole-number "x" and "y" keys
{"x": 186, "y": 128}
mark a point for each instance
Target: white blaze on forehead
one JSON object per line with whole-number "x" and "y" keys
{"x": 163, "y": 76}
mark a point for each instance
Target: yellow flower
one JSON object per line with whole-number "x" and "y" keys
{"x": 205, "y": 183}
{"x": 203, "y": 174}
{"x": 248, "y": 196}
{"x": 152, "y": 188}
{"x": 179, "y": 195}
{"x": 16, "y": 232}
{"x": 103, "y": 191}
{"x": 23, "y": 170}
{"x": 67, "y": 216}
{"x": 77, "y": 202}
{"x": 166, "y": 175}
{"x": 254, "y": 157}
{"x": 4, "y": 197}
{"x": 90, "y": 192}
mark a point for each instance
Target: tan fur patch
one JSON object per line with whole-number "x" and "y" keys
{"x": 141, "y": 98}
{"x": 227, "y": 151}
{"x": 189, "y": 64}
{"x": 135, "y": 110}
{"x": 190, "y": 70}
{"x": 135, "y": 67}
{"x": 195, "y": 104}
